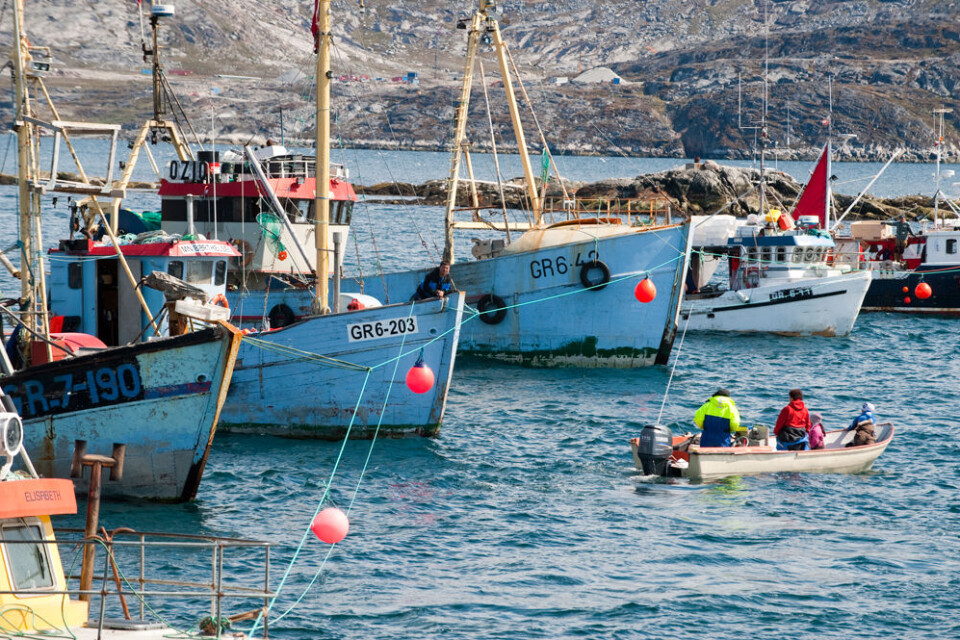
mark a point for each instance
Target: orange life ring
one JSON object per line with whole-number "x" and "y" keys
{"x": 220, "y": 300}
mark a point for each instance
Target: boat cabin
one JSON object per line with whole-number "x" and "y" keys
{"x": 91, "y": 291}
{"x": 790, "y": 255}
{"x": 223, "y": 195}
{"x": 934, "y": 247}
{"x": 32, "y": 581}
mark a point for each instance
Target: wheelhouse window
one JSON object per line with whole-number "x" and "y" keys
{"x": 75, "y": 275}
{"x": 951, "y": 245}
{"x": 220, "y": 273}
{"x": 199, "y": 271}
{"x": 27, "y": 557}
{"x": 781, "y": 254}
{"x": 299, "y": 210}
{"x": 175, "y": 269}
{"x": 342, "y": 212}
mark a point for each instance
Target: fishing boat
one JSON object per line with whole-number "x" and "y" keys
{"x": 554, "y": 292}
{"x": 35, "y": 591}
{"x": 78, "y": 372}
{"x": 308, "y": 370}
{"x": 917, "y": 272}
{"x": 658, "y": 452}
{"x": 783, "y": 278}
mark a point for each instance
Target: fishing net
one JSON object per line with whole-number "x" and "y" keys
{"x": 270, "y": 226}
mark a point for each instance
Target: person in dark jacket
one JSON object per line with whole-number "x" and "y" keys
{"x": 436, "y": 284}
{"x": 863, "y": 426}
{"x": 793, "y": 423}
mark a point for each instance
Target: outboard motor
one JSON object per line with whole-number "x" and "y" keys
{"x": 654, "y": 449}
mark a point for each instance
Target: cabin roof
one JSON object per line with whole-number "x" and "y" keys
{"x": 180, "y": 249}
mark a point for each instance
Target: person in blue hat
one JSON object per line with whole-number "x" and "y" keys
{"x": 863, "y": 426}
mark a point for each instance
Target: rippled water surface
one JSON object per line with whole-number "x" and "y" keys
{"x": 526, "y": 518}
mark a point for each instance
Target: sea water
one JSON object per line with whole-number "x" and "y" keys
{"x": 525, "y": 518}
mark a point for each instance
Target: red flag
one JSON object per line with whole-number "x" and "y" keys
{"x": 813, "y": 198}
{"x": 315, "y": 26}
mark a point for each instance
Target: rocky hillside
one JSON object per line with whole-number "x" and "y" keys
{"x": 692, "y": 71}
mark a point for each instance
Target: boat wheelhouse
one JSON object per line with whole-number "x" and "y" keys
{"x": 930, "y": 256}
{"x": 263, "y": 203}
{"x": 91, "y": 292}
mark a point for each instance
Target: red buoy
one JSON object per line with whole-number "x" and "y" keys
{"x": 420, "y": 377}
{"x": 645, "y": 291}
{"x": 331, "y": 525}
{"x": 282, "y": 255}
{"x": 907, "y": 300}
{"x": 923, "y": 291}
{"x": 906, "y": 289}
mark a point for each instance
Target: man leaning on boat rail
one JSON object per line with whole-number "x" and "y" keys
{"x": 719, "y": 419}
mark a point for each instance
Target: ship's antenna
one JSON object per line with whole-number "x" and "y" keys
{"x": 938, "y": 129}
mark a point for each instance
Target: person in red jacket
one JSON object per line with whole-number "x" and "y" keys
{"x": 793, "y": 423}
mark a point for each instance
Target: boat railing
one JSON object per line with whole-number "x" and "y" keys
{"x": 295, "y": 167}
{"x": 128, "y": 567}
{"x": 639, "y": 212}
{"x": 631, "y": 210}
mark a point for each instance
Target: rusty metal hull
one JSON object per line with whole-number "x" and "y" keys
{"x": 325, "y": 376}
{"x": 550, "y": 318}
{"x": 160, "y": 398}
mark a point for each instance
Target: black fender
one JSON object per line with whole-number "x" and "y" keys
{"x": 595, "y": 284}
{"x": 492, "y": 309}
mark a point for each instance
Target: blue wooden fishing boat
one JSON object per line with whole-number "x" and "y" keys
{"x": 563, "y": 295}
{"x": 560, "y": 293}
{"x": 89, "y": 358}
{"x": 325, "y": 375}
{"x": 104, "y": 383}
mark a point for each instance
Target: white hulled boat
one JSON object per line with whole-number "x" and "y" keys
{"x": 782, "y": 278}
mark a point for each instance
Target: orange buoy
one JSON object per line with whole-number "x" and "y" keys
{"x": 282, "y": 255}
{"x": 923, "y": 291}
{"x": 220, "y": 300}
{"x": 645, "y": 291}
{"x": 906, "y": 289}
{"x": 331, "y": 525}
{"x": 420, "y": 377}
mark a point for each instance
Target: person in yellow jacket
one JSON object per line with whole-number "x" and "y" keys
{"x": 719, "y": 419}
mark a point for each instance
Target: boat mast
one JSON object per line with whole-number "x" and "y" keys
{"x": 532, "y": 192}
{"x": 159, "y": 124}
{"x": 322, "y": 199}
{"x": 484, "y": 21}
{"x": 459, "y": 135}
{"x": 33, "y": 299}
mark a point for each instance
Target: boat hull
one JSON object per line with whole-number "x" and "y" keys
{"x": 887, "y": 293}
{"x": 826, "y": 306}
{"x": 707, "y": 463}
{"x": 550, "y": 319}
{"x": 160, "y": 398}
{"x": 280, "y": 388}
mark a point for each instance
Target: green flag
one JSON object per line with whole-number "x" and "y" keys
{"x": 544, "y": 167}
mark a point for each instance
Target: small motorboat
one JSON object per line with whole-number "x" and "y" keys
{"x": 659, "y": 452}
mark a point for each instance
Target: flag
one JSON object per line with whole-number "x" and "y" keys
{"x": 315, "y": 26}
{"x": 544, "y": 167}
